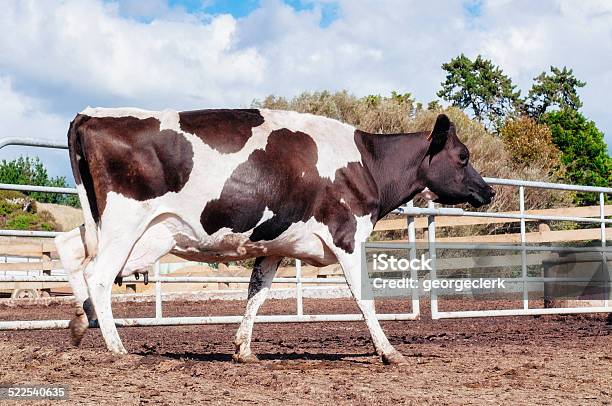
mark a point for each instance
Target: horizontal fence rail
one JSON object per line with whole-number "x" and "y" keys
{"x": 32, "y": 142}
{"x": 546, "y": 185}
{"x": 178, "y": 279}
{"x": 412, "y": 214}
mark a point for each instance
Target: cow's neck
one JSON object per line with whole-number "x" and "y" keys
{"x": 393, "y": 161}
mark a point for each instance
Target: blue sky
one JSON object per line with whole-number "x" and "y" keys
{"x": 243, "y": 8}
{"x": 233, "y": 7}
{"x": 473, "y": 7}
{"x": 239, "y": 9}
{"x": 57, "y": 57}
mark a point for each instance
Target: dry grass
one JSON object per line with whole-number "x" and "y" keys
{"x": 66, "y": 217}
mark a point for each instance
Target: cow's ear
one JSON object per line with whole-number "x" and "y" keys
{"x": 440, "y": 134}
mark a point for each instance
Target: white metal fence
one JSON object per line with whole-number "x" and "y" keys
{"x": 409, "y": 210}
{"x": 431, "y": 212}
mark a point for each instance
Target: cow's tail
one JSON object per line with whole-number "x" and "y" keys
{"x": 77, "y": 146}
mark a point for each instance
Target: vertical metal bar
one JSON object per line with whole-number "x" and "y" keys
{"x": 431, "y": 238}
{"x": 523, "y": 251}
{"x": 298, "y": 287}
{"x": 413, "y": 272}
{"x": 158, "y": 293}
{"x": 602, "y": 218}
{"x": 604, "y": 263}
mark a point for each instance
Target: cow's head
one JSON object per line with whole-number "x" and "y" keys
{"x": 447, "y": 172}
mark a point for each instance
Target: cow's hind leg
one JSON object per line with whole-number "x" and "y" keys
{"x": 85, "y": 313}
{"x": 351, "y": 266}
{"x": 119, "y": 256}
{"x": 114, "y": 247}
{"x": 72, "y": 253}
{"x": 259, "y": 286}
{"x": 100, "y": 274}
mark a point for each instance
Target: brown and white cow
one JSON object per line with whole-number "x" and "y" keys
{"x": 226, "y": 185}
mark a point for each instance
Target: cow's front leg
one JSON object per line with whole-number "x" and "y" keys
{"x": 351, "y": 266}
{"x": 259, "y": 286}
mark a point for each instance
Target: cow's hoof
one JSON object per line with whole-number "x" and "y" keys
{"x": 78, "y": 326}
{"x": 394, "y": 358}
{"x": 249, "y": 358}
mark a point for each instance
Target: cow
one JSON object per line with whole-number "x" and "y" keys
{"x": 231, "y": 184}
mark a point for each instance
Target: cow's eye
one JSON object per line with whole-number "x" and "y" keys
{"x": 463, "y": 157}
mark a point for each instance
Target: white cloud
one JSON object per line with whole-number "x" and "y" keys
{"x": 22, "y": 116}
{"x": 58, "y": 57}
{"x": 88, "y": 46}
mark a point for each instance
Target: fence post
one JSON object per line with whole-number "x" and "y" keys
{"x": 523, "y": 251}
{"x": 158, "y": 293}
{"x": 298, "y": 287}
{"x": 604, "y": 257}
{"x": 47, "y": 266}
{"x": 431, "y": 238}
{"x": 413, "y": 272}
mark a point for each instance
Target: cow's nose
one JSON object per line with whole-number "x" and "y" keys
{"x": 492, "y": 191}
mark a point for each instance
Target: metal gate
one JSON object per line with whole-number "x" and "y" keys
{"x": 604, "y": 233}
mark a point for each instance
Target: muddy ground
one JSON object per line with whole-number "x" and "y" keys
{"x": 513, "y": 360}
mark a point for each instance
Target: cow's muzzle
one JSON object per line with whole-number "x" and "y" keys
{"x": 482, "y": 197}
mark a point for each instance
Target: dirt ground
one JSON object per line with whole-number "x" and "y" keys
{"x": 511, "y": 360}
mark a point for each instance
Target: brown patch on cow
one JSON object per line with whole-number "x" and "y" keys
{"x": 226, "y": 131}
{"x": 284, "y": 178}
{"x": 129, "y": 156}
{"x": 80, "y": 167}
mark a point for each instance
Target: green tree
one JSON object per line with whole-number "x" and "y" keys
{"x": 27, "y": 171}
{"x": 557, "y": 89}
{"x": 434, "y": 105}
{"x": 481, "y": 86}
{"x": 373, "y": 100}
{"x": 583, "y": 151}
{"x": 400, "y": 98}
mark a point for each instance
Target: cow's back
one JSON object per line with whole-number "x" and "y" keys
{"x": 245, "y": 171}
